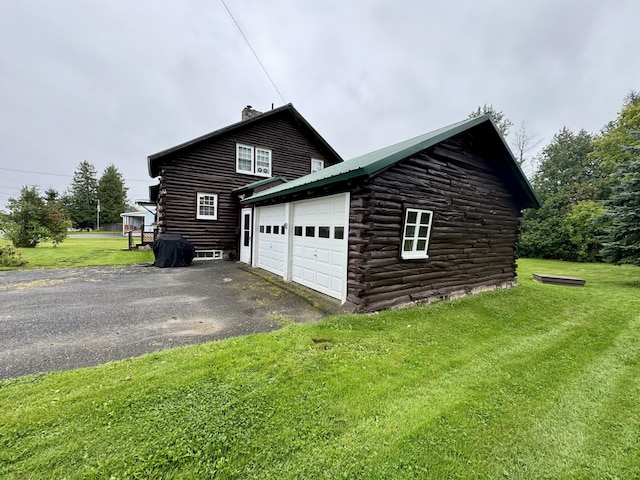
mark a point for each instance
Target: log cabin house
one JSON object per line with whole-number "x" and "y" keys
{"x": 436, "y": 216}
{"x": 202, "y": 181}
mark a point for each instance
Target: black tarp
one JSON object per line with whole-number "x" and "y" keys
{"x": 172, "y": 251}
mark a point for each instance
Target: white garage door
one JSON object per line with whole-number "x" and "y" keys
{"x": 272, "y": 238}
{"x": 319, "y": 244}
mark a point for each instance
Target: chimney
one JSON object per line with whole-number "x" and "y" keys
{"x": 248, "y": 112}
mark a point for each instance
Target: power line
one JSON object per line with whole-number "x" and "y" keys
{"x": 62, "y": 175}
{"x": 36, "y": 173}
{"x": 253, "y": 51}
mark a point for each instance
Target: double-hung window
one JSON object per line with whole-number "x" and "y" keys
{"x": 253, "y": 160}
{"x": 207, "y": 206}
{"x": 417, "y": 230}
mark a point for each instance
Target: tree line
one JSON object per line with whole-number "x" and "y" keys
{"x": 34, "y": 217}
{"x": 589, "y": 188}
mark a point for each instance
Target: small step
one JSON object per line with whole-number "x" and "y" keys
{"x": 558, "y": 280}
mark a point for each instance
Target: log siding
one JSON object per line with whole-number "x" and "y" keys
{"x": 473, "y": 237}
{"x": 210, "y": 167}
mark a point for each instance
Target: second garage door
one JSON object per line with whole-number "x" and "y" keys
{"x": 319, "y": 244}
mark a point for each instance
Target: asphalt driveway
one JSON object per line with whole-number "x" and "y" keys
{"x": 69, "y": 318}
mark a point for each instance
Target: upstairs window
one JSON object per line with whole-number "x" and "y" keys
{"x": 207, "y": 207}
{"x": 417, "y": 230}
{"x": 253, "y": 160}
{"x": 316, "y": 165}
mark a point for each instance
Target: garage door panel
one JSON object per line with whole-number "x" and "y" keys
{"x": 318, "y": 261}
{"x": 271, "y": 245}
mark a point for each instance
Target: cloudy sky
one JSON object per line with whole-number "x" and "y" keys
{"x": 113, "y": 81}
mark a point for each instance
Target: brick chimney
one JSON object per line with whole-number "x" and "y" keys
{"x": 248, "y": 112}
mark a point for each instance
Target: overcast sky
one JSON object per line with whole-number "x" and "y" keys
{"x": 113, "y": 81}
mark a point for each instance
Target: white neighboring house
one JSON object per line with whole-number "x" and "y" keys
{"x": 144, "y": 215}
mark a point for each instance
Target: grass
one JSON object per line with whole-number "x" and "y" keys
{"x": 82, "y": 252}
{"x": 539, "y": 381}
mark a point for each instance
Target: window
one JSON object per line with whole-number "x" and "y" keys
{"x": 207, "y": 206}
{"x": 338, "y": 233}
{"x": 316, "y": 165}
{"x": 309, "y": 231}
{"x": 323, "y": 232}
{"x": 297, "y": 231}
{"x": 417, "y": 229}
{"x": 244, "y": 159}
{"x": 253, "y": 161}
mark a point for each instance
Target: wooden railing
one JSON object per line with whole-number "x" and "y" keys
{"x": 146, "y": 238}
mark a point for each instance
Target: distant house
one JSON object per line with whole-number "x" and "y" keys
{"x": 436, "y": 216}
{"x": 141, "y": 219}
{"x": 202, "y": 181}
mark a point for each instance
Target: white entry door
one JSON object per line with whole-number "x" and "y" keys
{"x": 245, "y": 235}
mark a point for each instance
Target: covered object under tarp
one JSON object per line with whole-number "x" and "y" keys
{"x": 172, "y": 251}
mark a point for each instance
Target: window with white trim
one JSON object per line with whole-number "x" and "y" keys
{"x": 417, "y": 230}
{"x": 207, "y": 206}
{"x": 316, "y": 165}
{"x": 253, "y": 160}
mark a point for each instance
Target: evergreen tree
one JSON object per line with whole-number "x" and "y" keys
{"x": 622, "y": 241}
{"x": 31, "y": 220}
{"x": 82, "y": 198}
{"x": 112, "y": 194}
{"x": 503, "y": 124}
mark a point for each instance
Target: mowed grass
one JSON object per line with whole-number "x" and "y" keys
{"x": 81, "y": 252}
{"x": 538, "y": 381}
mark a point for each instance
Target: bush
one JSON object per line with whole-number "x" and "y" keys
{"x": 11, "y": 257}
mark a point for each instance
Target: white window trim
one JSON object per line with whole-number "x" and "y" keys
{"x": 416, "y": 254}
{"x": 254, "y": 161}
{"x": 318, "y": 162}
{"x": 238, "y": 169}
{"x": 199, "y": 197}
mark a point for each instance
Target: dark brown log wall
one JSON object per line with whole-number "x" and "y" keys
{"x": 474, "y": 231}
{"x": 210, "y": 167}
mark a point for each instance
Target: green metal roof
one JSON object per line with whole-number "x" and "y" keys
{"x": 259, "y": 183}
{"x": 373, "y": 162}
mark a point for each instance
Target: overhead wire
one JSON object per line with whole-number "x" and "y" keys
{"x": 253, "y": 51}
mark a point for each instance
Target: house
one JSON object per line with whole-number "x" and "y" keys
{"x": 202, "y": 181}
{"x": 141, "y": 219}
{"x": 436, "y": 216}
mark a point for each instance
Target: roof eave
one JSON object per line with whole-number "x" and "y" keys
{"x": 307, "y": 186}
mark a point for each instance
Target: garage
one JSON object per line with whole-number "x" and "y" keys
{"x": 312, "y": 251}
{"x": 272, "y": 238}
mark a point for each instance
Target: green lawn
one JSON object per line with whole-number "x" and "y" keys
{"x": 538, "y": 381}
{"x": 82, "y": 252}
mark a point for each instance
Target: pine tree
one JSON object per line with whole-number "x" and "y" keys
{"x": 32, "y": 219}
{"x": 622, "y": 242}
{"x": 82, "y": 198}
{"x": 112, "y": 194}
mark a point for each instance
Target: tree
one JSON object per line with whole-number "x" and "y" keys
{"x": 112, "y": 194}
{"x": 503, "y": 124}
{"x": 566, "y": 166}
{"x": 523, "y": 143}
{"x": 31, "y": 220}
{"x": 622, "y": 240}
{"x": 568, "y": 181}
{"x": 82, "y": 199}
{"x": 606, "y": 146}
